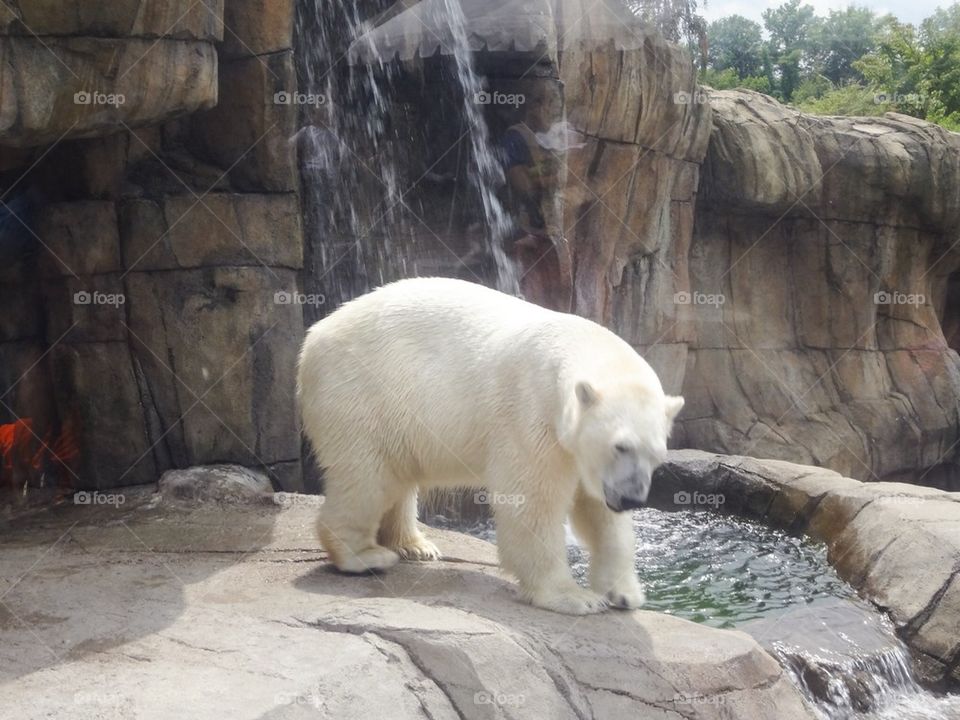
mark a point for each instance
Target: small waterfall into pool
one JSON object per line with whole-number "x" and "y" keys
{"x": 881, "y": 686}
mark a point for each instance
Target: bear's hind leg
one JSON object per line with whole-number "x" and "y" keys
{"x": 356, "y": 499}
{"x": 609, "y": 537}
{"x": 399, "y": 531}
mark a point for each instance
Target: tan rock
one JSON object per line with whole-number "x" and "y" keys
{"x": 94, "y": 87}
{"x": 181, "y": 19}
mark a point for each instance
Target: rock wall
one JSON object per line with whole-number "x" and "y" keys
{"x": 156, "y": 264}
{"x": 805, "y": 322}
{"x": 794, "y": 277}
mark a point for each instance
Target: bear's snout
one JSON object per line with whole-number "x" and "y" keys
{"x": 627, "y": 493}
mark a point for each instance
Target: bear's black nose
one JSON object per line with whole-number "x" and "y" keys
{"x": 630, "y": 503}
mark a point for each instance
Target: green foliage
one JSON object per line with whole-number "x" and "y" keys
{"x": 847, "y": 100}
{"x": 735, "y": 43}
{"x": 729, "y": 80}
{"x": 850, "y": 62}
{"x": 841, "y": 38}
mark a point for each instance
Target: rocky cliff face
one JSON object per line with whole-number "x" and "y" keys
{"x": 151, "y": 237}
{"x": 794, "y": 277}
{"x": 805, "y": 320}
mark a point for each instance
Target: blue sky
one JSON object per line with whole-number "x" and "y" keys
{"x": 912, "y": 11}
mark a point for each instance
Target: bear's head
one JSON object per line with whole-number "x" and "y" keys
{"x": 617, "y": 433}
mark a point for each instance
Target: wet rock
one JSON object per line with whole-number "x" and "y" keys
{"x": 844, "y": 654}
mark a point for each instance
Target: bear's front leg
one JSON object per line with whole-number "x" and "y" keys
{"x": 531, "y": 545}
{"x": 611, "y": 541}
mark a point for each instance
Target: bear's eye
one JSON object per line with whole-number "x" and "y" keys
{"x": 622, "y": 448}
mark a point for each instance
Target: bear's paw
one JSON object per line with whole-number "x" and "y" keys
{"x": 418, "y": 548}
{"x": 573, "y": 600}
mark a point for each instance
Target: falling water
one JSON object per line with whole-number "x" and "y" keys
{"x": 881, "y": 686}
{"x": 487, "y": 172}
{"x": 356, "y": 176}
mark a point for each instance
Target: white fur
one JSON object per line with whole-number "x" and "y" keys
{"x": 436, "y": 382}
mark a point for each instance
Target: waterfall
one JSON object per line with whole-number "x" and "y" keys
{"x": 356, "y": 165}
{"x": 487, "y": 172}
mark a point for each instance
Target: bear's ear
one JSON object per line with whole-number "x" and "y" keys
{"x": 586, "y": 393}
{"x": 674, "y": 405}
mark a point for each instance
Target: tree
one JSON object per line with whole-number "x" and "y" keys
{"x": 840, "y": 39}
{"x": 676, "y": 19}
{"x": 789, "y": 27}
{"x": 735, "y": 42}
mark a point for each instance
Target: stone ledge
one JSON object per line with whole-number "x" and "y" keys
{"x": 897, "y": 544}
{"x": 209, "y": 590}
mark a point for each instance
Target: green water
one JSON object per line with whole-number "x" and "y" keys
{"x": 718, "y": 570}
{"x": 723, "y": 571}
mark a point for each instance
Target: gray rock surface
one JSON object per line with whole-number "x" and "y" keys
{"x": 232, "y": 611}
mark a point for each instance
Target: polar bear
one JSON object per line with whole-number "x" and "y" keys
{"x": 435, "y": 382}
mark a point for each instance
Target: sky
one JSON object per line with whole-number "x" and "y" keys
{"x": 911, "y": 11}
